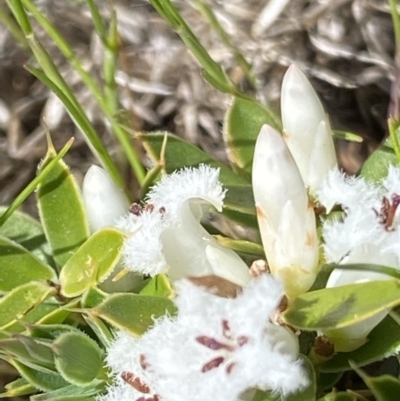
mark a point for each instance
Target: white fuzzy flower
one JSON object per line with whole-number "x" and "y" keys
{"x": 369, "y": 233}
{"x": 104, "y": 201}
{"x": 285, "y": 215}
{"x": 166, "y": 236}
{"x": 215, "y": 348}
{"x": 306, "y": 129}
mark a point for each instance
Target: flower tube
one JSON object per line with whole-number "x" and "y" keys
{"x": 306, "y": 129}
{"x": 285, "y": 215}
{"x": 166, "y": 235}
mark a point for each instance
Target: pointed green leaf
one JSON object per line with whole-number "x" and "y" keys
{"x": 92, "y": 263}
{"x": 61, "y": 211}
{"x": 159, "y": 286}
{"x": 78, "y": 358}
{"x": 132, "y": 312}
{"x": 101, "y": 330}
{"x": 50, "y": 331}
{"x": 179, "y": 154}
{"x": 340, "y": 307}
{"x": 41, "y": 380}
{"x": 71, "y": 392}
{"x": 27, "y": 350}
{"x": 383, "y": 341}
{"x": 249, "y": 247}
{"x": 27, "y": 232}
{"x": 377, "y": 165}
{"x": 338, "y": 396}
{"x": 18, "y": 388}
{"x": 242, "y": 124}
{"x": 384, "y": 388}
{"x": 21, "y": 300}
{"x": 19, "y": 266}
{"x": 93, "y": 297}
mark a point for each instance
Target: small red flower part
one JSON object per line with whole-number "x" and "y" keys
{"x": 216, "y": 345}
{"x": 387, "y": 211}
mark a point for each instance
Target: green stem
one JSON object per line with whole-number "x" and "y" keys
{"x": 107, "y": 101}
{"x": 12, "y": 27}
{"x": 393, "y": 128}
{"x": 396, "y": 23}
{"x": 34, "y": 183}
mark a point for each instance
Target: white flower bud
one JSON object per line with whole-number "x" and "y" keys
{"x": 285, "y": 216}
{"x": 104, "y": 201}
{"x": 306, "y": 129}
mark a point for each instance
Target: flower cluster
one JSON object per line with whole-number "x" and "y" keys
{"x": 215, "y": 348}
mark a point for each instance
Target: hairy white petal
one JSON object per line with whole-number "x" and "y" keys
{"x": 254, "y": 352}
{"x": 169, "y": 237}
{"x": 189, "y": 183}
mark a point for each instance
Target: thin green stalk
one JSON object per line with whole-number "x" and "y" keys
{"x": 104, "y": 100}
{"x": 12, "y": 27}
{"x": 34, "y": 183}
{"x": 213, "y": 72}
{"x": 84, "y": 124}
{"x": 53, "y": 79}
{"x": 396, "y": 23}
{"x": 207, "y": 12}
{"x": 97, "y": 20}
{"x": 393, "y": 131}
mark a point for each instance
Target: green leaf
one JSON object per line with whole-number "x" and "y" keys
{"x": 242, "y": 124}
{"x": 159, "y": 286}
{"x": 338, "y": 307}
{"x": 71, "y": 392}
{"x": 17, "y": 388}
{"x": 239, "y": 205}
{"x": 27, "y": 351}
{"x": 383, "y": 341}
{"x": 384, "y": 388}
{"x": 61, "y": 210}
{"x": 19, "y": 266}
{"x": 132, "y": 312}
{"x": 179, "y": 154}
{"x": 101, "y": 330}
{"x": 28, "y": 189}
{"x": 21, "y": 300}
{"x": 27, "y": 232}
{"x": 377, "y": 165}
{"x": 93, "y": 297}
{"x": 41, "y": 380}
{"x": 50, "y": 331}
{"x": 78, "y": 358}
{"x": 338, "y": 396}
{"x": 249, "y": 247}
{"x": 326, "y": 381}
{"x": 92, "y": 263}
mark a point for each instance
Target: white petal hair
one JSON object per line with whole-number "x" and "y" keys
{"x": 142, "y": 251}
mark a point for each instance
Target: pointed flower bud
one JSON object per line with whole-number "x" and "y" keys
{"x": 166, "y": 234}
{"x": 104, "y": 201}
{"x": 285, "y": 216}
{"x": 306, "y": 129}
